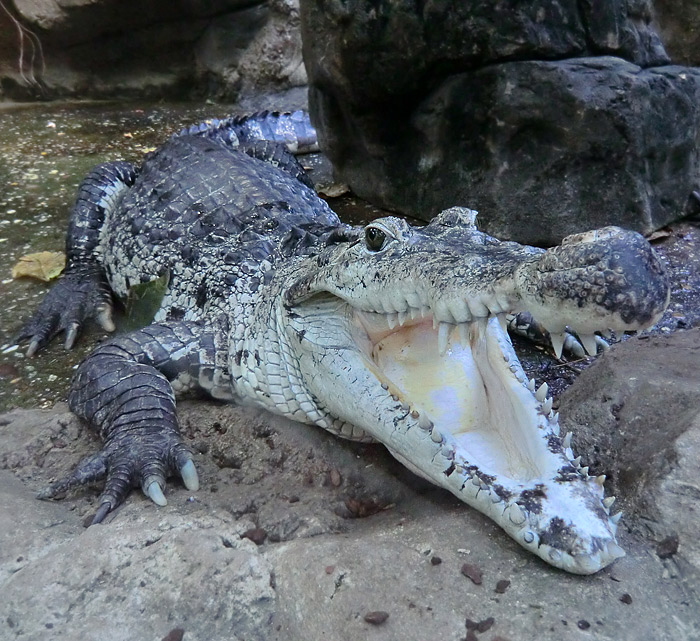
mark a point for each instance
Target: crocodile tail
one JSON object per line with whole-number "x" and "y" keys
{"x": 291, "y": 129}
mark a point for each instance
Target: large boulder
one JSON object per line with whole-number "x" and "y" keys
{"x": 105, "y": 48}
{"x": 513, "y": 113}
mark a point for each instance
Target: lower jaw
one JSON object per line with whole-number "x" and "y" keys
{"x": 436, "y": 449}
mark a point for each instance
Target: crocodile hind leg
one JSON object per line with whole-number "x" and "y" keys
{"x": 83, "y": 291}
{"x": 125, "y": 391}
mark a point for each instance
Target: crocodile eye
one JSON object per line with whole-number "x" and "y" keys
{"x": 375, "y": 238}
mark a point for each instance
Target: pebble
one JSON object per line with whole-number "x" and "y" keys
{"x": 256, "y": 534}
{"x": 377, "y": 617}
{"x": 668, "y": 547}
{"x": 473, "y": 572}
{"x": 502, "y": 586}
{"x": 626, "y": 598}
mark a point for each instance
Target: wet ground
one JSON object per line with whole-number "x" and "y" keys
{"x": 46, "y": 149}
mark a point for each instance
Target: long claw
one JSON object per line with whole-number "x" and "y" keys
{"x": 572, "y": 345}
{"x": 188, "y": 472}
{"x": 71, "y": 335}
{"x": 104, "y": 318}
{"x": 102, "y": 512}
{"x": 33, "y": 348}
{"x": 155, "y": 493}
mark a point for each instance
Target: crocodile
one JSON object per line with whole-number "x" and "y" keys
{"x": 384, "y": 332}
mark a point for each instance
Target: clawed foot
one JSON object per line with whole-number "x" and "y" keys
{"x": 525, "y": 325}
{"x": 145, "y": 458}
{"x": 77, "y": 297}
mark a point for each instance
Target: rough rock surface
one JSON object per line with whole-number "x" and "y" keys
{"x": 549, "y": 120}
{"x": 345, "y": 531}
{"x": 95, "y": 49}
{"x": 678, "y": 22}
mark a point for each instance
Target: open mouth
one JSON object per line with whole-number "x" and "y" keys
{"x": 452, "y": 402}
{"x": 467, "y": 379}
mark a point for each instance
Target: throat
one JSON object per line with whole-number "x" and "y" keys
{"x": 469, "y": 391}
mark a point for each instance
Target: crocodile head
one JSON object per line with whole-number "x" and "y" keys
{"x": 398, "y": 333}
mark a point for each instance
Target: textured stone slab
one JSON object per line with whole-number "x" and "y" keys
{"x": 540, "y": 149}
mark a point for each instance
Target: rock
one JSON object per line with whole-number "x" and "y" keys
{"x": 678, "y": 21}
{"x": 503, "y": 113}
{"x": 224, "y": 49}
{"x": 189, "y": 566}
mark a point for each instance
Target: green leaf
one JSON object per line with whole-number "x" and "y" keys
{"x": 143, "y": 302}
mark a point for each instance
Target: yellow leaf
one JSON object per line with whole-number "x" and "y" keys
{"x": 43, "y": 265}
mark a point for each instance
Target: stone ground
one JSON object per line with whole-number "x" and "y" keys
{"x": 296, "y": 535}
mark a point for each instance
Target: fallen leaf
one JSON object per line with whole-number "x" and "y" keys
{"x": 43, "y": 266}
{"x": 333, "y": 190}
{"x": 659, "y": 234}
{"x": 143, "y": 301}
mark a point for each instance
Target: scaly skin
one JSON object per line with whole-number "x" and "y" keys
{"x": 387, "y": 332}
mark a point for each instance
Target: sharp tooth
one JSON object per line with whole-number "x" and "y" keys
{"x": 557, "y": 343}
{"x": 444, "y": 332}
{"x": 402, "y": 318}
{"x": 589, "y": 343}
{"x": 608, "y": 503}
{"x": 615, "y": 551}
{"x": 547, "y": 406}
{"x": 503, "y": 321}
{"x": 424, "y": 311}
{"x": 541, "y": 392}
{"x": 435, "y": 436}
{"x": 600, "y": 480}
{"x": 392, "y": 320}
{"x": 615, "y": 518}
{"x": 566, "y": 443}
{"x": 414, "y": 312}
{"x": 584, "y": 471}
{"x": 576, "y": 462}
{"x": 531, "y": 385}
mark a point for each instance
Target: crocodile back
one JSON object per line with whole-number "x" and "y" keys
{"x": 198, "y": 207}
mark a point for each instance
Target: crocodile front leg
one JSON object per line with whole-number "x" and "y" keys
{"x": 124, "y": 390}
{"x": 83, "y": 291}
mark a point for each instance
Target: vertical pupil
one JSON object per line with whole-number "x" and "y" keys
{"x": 375, "y": 238}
